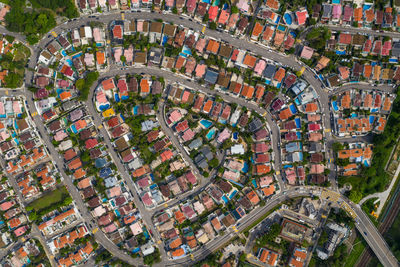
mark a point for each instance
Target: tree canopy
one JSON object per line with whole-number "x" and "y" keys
{"x": 318, "y": 37}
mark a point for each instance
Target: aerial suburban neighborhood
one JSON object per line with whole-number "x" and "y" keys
{"x": 199, "y": 133}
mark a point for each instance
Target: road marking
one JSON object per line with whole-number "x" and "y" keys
{"x": 166, "y": 205}
{"x": 327, "y": 130}
{"x": 100, "y": 126}
{"x": 54, "y": 33}
{"x": 159, "y": 242}
{"x": 6, "y": 92}
{"x": 191, "y": 256}
{"x": 95, "y": 230}
{"x": 277, "y": 172}
{"x": 123, "y": 16}
{"x": 204, "y": 29}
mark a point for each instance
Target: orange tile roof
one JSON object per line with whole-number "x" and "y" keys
{"x": 65, "y": 95}
{"x": 274, "y": 4}
{"x": 311, "y": 107}
{"x": 367, "y": 71}
{"x": 350, "y": 166}
{"x": 253, "y": 197}
{"x": 267, "y": 34}
{"x": 279, "y": 75}
{"x": 249, "y": 60}
{"x": 247, "y": 91}
{"x": 387, "y": 104}
{"x": 268, "y": 190}
{"x": 213, "y": 46}
{"x": 257, "y": 30}
{"x": 178, "y": 252}
{"x": 358, "y": 14}
{"x": 179, "y": 216}
{"x": 175, "y": 243}
{"x": 100, "y": 57}
{"x": 75, "y": 164}
{"x": 144, "y": 86}
{"x": 207, "y": 106}
{"x": 346, "y": 100}
{"x": 285, "y": 114}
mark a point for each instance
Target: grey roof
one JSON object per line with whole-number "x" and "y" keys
{"x": 211, "y": 76}
{"x": 269, "y": 71}
{"x": 196, "y": 143}
{"x": 315, "y": 147}
{"x": 327, "y": 9}
{"x": 110, "y": 182}
{"x": 205, "y": 150}
{"x": 155, "y": 55}
{"x": 396, "y": 49}
{"x": 201, "y": 161}
{"x": 69, "y": 105}
{"x": 255, "y": 125}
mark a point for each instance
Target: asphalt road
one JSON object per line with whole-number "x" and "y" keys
{"x": 372, "y": 236}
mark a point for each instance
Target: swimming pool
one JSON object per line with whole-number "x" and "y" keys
{"x": 245, "y": 168}
{"x": 206, "y": 123}
{"x": 235, "y": 136}
{"x": 225, "y": 199}
{"x": 281, "y": 28}
{"x": 371, "y": 119}
{"x": 288, "y": 19}
{"x": 293, "y": 109}
{"x": 354, "y": 115}
{"x": 211, "y": 134}
{"x": 116, "y": 97}
{"x": 298, "y": 122}
{"x": 233, "y": 194}
{"x": 104, "y": 107}
{"x": 334, "y": 105}
{"x": 135, "y": 110}
{"x": 69, "y": 61}
{"x": 77, "y": 55}
{"x": 73, "y": 128}
{"x": 216, "y": 3}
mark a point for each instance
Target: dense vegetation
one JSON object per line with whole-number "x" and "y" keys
{"x": 83, "y": 85}
{"x": 64, "y": 8}
{"x": 318, "y": 37}
{"x": 374, "y": 178}
{"x": 32, "y": 24}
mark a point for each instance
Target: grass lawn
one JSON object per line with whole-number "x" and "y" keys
{"x": 358, "y": 249}
{"x": 49, "y": 199}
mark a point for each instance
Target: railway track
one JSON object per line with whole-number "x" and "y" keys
{"x": 383, "y": 228}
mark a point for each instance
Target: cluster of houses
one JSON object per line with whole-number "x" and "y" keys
{"x": 14, "y": 222}
{"x": 63, "y": 61}
{"x": 187, "y": 225}
{"x": 361, "y": 112}
{"x": 75, "y": 136}
{"x": 71, "y": 240}
{"x": 166, "y": 160}
{"x": 25, "y": 254}
{"x": 354, "y": 157}
{"x": 361, "y": 14}
{"x": 301, "y": 128}
{"x": 22, "y": 150}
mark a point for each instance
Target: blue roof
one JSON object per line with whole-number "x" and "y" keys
{"x": 99, "y": 163}
{"x": 211, "y": 76}
{"x": 105, "y": 172}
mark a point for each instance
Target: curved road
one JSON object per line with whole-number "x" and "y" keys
{"x": 371, "y": 235}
